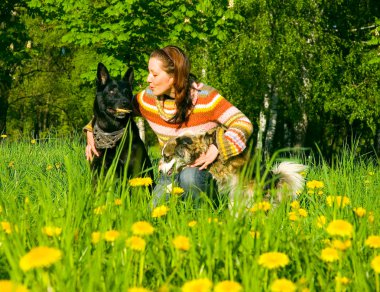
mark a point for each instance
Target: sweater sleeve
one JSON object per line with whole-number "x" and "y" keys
{"x": 231, "y": 140}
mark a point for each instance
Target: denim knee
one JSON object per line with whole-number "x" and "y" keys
{"x": 194, "y": 181}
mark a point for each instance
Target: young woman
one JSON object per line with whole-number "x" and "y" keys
{"x": 174, "y": 104}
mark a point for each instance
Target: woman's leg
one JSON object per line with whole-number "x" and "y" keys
{"x": 194, "y": 181}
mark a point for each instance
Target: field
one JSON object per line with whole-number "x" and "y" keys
{"x": 59, "y": 233}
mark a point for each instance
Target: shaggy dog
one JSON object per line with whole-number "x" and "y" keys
{"x": 115, "y": 132}
{"x": 182, "y": 151}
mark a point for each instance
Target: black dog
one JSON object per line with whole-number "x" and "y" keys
{"x": 113, "y": 119}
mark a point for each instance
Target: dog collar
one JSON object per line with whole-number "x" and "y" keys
{"x": 104, "y": 140}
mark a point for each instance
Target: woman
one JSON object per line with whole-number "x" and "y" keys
{"x": 174, "y": 104}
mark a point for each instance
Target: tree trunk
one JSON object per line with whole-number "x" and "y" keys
{"x": 272, "y": 122}
{"x": 262, "y": 124}
{"x": 4, "y": 95}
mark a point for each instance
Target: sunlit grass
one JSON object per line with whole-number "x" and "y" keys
{"x": 47, "y": 200}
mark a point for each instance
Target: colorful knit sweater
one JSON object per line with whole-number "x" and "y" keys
{"x": 210, "y": 110}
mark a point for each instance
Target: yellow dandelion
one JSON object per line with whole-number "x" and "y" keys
{"x": 293, "y": 216}
{"x": 340, "y": 228}
{"x": 49, "y": 167}
{"x": 57, "y": 165}
{"x": 118, "y": 202}
{"x": 329, "y": 254}
{"x": 342, "y": 280}
{"x": 315, "y": 184}
{"x": 255, "y": 234}
{"x": 100, "y": 210}
{"x": 6, "y": 227}
{"x": 360, "y": 212}
{"x": 261, "y": 206}
{"x": 295, "y": 205}
{"x": 95, "y": 237}
{"x": 210, "y": 220}
{"x": 111, "y": 235}
{"x": 33, "y": 141}
{"x": 273, "y": 260}
{"x": 320, "y": 193}
{"x": 138, "y": 289}
{"x": 177, "y": 191}
{"x": 1, "y": 209}
{"x": 339, "y": 201}
{"x": 10, "y": 286}
{"x": 373, "y": 241}
{"x": 3, "y": 136}
{"x": 181, "y": 242}
{"x": 375, "y": 264}
{"x": 192, "y": 223}
{"x": 164, "y": 288}
{"x": 198, "y": 285}
{"x": 341, "y": 245}
{"x": 228, "y": 286}
{"x": 160, "y": 211}
{"x": 321, "y": 221}
{"x": 39, "y": 257}
{"x": 140, "y": 182}
{"x": 136, "y": 243}
{"x": 371, "y": 217}
{"x": 283, "y": 285}
{"x": 142, "y": 228}
{"x": 52, "y": 231}
{"x": 302, "y": 212}
{"x": 11, "y": 164}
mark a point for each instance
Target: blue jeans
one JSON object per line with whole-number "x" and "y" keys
{"x": 191, "y": 179}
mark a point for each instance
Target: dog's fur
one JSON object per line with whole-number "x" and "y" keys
{"x": 113, "y": 119}
{"x": 182, "y": 151}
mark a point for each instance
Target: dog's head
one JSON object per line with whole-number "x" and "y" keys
{"x": 113, "y": 101}
{"x": 182, "y": 151}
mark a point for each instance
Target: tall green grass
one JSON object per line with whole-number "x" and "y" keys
{"x": 49, "y": 184}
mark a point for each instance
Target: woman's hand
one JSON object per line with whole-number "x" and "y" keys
{"x": 206, "y": 158}
{"x": 90, "y": 148}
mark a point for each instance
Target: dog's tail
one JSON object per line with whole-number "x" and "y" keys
{"x": 290, "y": 178}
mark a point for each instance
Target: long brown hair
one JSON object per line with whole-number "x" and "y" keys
{"x": 176, "y": 63}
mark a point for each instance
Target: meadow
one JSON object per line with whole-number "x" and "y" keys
{"x": 60, "y": 233}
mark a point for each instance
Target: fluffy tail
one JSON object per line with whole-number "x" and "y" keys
{"x": 291, "y": 180}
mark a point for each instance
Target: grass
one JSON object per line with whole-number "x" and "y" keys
{"x": 48, "y": 184}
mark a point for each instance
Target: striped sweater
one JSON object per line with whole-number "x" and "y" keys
{"x": 210, "y": 110}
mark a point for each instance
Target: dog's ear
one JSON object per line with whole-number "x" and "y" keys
{"x": 129, "y": 77}
{"x": 102, "y": 75}
{"x": 184, "y": 140}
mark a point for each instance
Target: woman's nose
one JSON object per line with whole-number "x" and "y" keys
{"x": 149, "y": 78}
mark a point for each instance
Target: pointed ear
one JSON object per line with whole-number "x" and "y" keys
{"x": 129, "y": 77}
{"x": 184, "y": 140}
{"x": 102, "y": 75}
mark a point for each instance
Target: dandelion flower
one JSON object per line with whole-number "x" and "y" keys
{"x": 340, "y": 228}
{"x": 3, "y": 136}
{"x": 342, "y": 280}
{"x": 315, "y": 184}
{"x": 228, "y": 286}
{"x": 273, "y": 260}
{"x": 371, "y": 217}
{"x": 181, "y": 242}
{"x": 254, "y": 234}
{"x": 142, "y": 228}
{"x": 136, "y": 243}
{"x": 111, "y": 235}
{"x": 192, "y": 223}
{"x": 95, "y": 237}
{"x": 138, "y": 289}
{"x": 177, "y": 191}
{"x": 360, "y": 212}
{"x": 375, "y": 264}
{"x": 283, "y": 285}
{"x": 33, "y": 141}
{"x": 6, "y": 227}
{"x": 140, "y": 182}
{"x": 341, "y": 245}
{"x": 261, "y": 206}
{"x": 160, "y": 211}
{"x": 210, "y": 220}
{"x": 52, "y": 231}
{"x": 198, "y": 285}
{"x": 293, "y": 216}
{"x": 118, "y": 202}
{"x": 329, "y": 254}
{"x": 340, "y": 201}
{"x": 11, "y": 164}
{"x": 302, "y": 212}
{"x": 10, "y": 286}
{"x": 295, "y": 205}
{"x": 39, "y": 257}
{"x": 100, "y": 210}
{"x": 373, "y": 241}
{"x": 321, "y": 221}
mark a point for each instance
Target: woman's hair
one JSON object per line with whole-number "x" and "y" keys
{"x": 176, "y": 63}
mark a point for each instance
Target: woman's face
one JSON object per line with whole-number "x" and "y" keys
{"x": 160, "y": 82}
